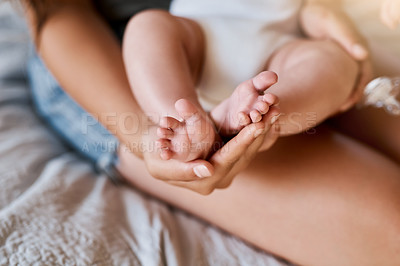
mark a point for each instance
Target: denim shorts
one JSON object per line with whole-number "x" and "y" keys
{"x": 77, "y": 128}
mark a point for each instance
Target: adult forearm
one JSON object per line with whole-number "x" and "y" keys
{"x": 85, "y": 57}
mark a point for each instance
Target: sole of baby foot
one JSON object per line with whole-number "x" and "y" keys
{"x": 191, "y": 138}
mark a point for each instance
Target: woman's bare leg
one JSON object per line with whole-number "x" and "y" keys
{"x": 371, "y": 125}
{"x": 319, "y": 199}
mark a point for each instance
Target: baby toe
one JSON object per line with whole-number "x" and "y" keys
{"x": 271, "y": 99}
{"x": 166, "y": 154}
{"x": 169, "y": 122}
{"x": 243, "y": 119}
{"x": 255, "y": 116}
{"x": 186, "y": 109}
{"x": 165, "y": 133}
{"x": 262, "y": 107}
{"x": 264, "y": 80}
{"x": 164, "y": 146}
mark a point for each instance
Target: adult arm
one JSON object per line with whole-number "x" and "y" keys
{"x": 85, "y": 58}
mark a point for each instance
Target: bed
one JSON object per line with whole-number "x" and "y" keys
{"x": 55, "y": 210}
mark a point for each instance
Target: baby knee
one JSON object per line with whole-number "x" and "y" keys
{"x": 336, "y": 59}
{"x": 148, "y": 21}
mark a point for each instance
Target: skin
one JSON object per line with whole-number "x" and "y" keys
{"x": 325, "y": 20}
{"x": 159, "y": 81}
{"x": 379, "y": 130}
{"x": 331, "y": 200}
{"x": 390, "y": 13}
{"x": 349, "y": 217}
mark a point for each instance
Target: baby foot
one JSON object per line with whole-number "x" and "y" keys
{"x": 189, "y": 139}
{"x": 246, "y": 105}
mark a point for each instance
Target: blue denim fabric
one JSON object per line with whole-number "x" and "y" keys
{"x": 74, "y": 125}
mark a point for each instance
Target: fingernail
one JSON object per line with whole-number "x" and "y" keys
{"x": 201, "y": 171}
{"x": 359, "y": 51}
{"x": 258, "y": 132}
{"x": 274, "y": 118}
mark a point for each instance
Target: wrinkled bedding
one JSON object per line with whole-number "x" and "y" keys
{"x": 55, "y": 210}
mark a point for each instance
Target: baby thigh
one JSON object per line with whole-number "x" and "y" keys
{"x": 163, "y": 57}
{"x": 315, "y": 79}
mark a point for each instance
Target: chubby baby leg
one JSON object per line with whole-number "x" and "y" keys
{"x": 315, "y": 80}
{"x": 163, "y": 55}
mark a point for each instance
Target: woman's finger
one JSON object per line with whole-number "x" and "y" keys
{"x": 167, "y": 170}
{"x": 171, "y": 169}
{"x": 202, "y": 187}
{"x": 365, "y": 76}
{"x": 264, "y": 140}
{"x": 234, "y": 149}
{"x": 342, "y": 30}
{"x": 385, "y": 12}
{"x": 324, "y": 21}
{"x": 394, "y": 14}
{"x": 390, "y": 13}
{"x": 230, "y": 159}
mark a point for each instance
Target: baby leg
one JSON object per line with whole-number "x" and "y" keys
{"x": 163, "y": 57}
{"x": 315, "y": 79}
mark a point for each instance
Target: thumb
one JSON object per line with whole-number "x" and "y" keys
{"x": 200, "y": 169}
{"x": 232, "y": 151}
{"x": 344, "y": 32}
{"x": 168, "y": 170}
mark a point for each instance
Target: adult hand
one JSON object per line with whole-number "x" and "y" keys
{"x": 390, "y": 13}
{"x": 218, "y": 172}
{"x": 326, "y": 20}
